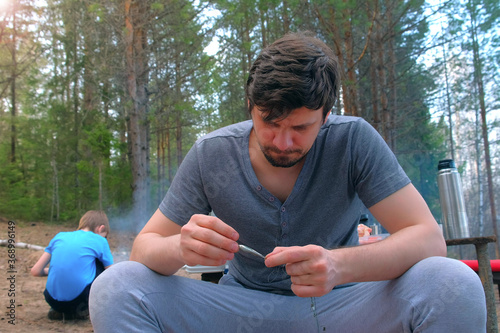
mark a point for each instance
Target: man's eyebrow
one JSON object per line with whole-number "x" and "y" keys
{"x": 275, "y": 121}
{"x": 304, "y": 124}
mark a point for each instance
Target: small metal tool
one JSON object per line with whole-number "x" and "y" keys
{"x": 249, "y": 250}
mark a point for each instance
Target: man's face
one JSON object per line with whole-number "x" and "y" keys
{"x": 285, "y": 142}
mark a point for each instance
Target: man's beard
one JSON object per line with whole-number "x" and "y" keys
{"x": 283, "y": 161}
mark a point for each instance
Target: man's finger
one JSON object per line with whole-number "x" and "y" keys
{"x": 285, "y": 255}
{"x": 193, "y": 258}
{"x": 217, "y": 225}
{"x": 308, "y": 291}
{"x": 211, "y": 231}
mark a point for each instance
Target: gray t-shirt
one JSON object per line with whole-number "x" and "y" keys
{"x": 348, "y": 168}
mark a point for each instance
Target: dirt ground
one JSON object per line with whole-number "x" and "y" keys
{"x": 26, "y": 291}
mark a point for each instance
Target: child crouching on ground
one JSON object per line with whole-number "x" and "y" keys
{"x": 76, "y": 258}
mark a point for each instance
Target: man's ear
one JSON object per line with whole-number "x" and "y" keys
{"x": 326, "y": 117}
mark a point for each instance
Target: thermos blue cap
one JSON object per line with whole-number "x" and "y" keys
{"x": 446, "y": 164}
{"x": 364, "y": 217}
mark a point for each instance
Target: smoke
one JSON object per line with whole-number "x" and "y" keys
{"x": 124, "y": 228}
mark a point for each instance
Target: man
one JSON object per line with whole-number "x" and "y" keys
{"x": 291, "y": 183}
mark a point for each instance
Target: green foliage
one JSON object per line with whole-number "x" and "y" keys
{"x": 157, "y": 6}
{"x": 99, "y": 141}
{"x": 73, "y": 125}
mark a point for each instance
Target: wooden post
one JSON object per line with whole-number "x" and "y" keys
{"x": 485, "y": 274}
{"x": 486, "y": 277}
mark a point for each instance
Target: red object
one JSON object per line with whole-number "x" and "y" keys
{"x": 495, "y": 265}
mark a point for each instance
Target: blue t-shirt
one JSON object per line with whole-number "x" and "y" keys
{"x": 72, "y": 262}
{"x": 348, "y": 168}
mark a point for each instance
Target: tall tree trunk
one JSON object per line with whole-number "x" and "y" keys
{"x": 100, "y": 163}
{"x": 331, "y": 26}
{"x": 246, "y": 55}
{"x": 55, "y": 190}
{"x": 169, "y": 152}
{"x": 158, "y": 163}
{"x": 13, "y": 135}
{"x": 178, "y": 137}
{"x": 76, "y": 118}
{"x": 393, "y": 95}
{"x": 163, "y": 183}
{"x": 337, "y": 41}
{"x": 89, "y": 93}
{"x": 263, "y": 28}
{"x": 372, "y": 47}
{"x": 178, "y": 112}
{"x": 382, "y": 81}
{"x": 478, "y": 78}
{"x": 448, "y": 103}
{"x": 479, "y": 169}
{"x": 136, "y": 70}
{"x": 246, "y": 41}
{"x": 286, "y": 18}
{"x": 351, "y": 101}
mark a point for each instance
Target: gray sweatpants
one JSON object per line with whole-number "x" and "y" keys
{"x": 435, "y": 295}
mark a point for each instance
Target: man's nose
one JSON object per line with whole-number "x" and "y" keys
{"x": 283, "y": 140}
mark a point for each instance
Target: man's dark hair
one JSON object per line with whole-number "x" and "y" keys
{"x": 296, "y": 71}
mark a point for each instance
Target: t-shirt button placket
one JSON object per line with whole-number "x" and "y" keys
{"x": 284, "y": 225}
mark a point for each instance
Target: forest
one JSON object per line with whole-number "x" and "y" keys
{"x": 100, "y": 100}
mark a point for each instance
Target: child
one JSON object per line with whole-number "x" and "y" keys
{"x": 76, "y": 259}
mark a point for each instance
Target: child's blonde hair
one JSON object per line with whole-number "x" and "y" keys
{"x": 94, "y": 219}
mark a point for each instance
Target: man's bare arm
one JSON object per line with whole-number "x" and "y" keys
{"x": 157, "y": 245}
{"x": 415, "y": 235}
{"x": 164, "y": 246}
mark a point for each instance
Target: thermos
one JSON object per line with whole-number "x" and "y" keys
{"x": 455, "y": 221}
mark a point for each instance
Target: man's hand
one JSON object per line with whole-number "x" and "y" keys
{"x": 311, "y": 268}
{"x": 206, "y": 240}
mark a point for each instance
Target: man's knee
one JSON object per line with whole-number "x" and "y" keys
{"x": 445, "y": 278}
{"x": 116, "y": 274}
{"x": 115, "y": 285}
{"x": 446, "y": 273}
{"x": 116, "y": 295}
{"x": 447, "y": 289}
